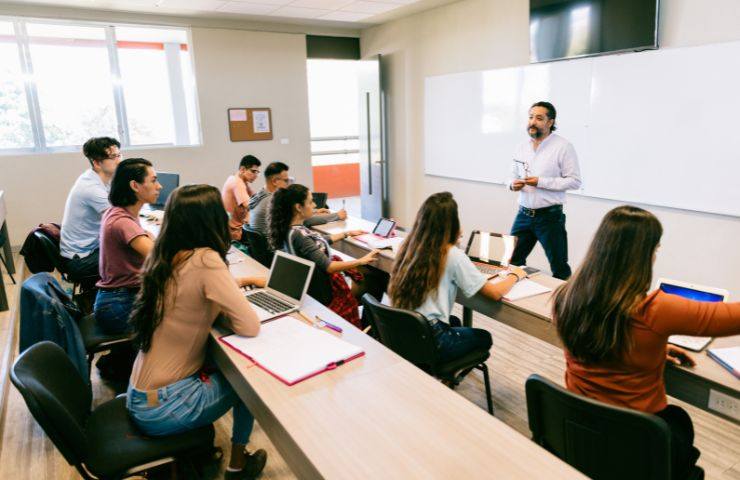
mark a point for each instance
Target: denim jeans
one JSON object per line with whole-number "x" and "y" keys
{"x": 112, "y": 309}
{"x": 455, "y": 342}
{"x": 190, "y": 403}
{"x": 549, "y": 228}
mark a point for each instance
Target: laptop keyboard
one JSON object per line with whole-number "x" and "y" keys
{"x": 268, "y": 302}
{"x": 488, "y": 269}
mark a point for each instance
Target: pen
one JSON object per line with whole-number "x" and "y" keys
{"x": 321, "y": 322}
{"x": 343, "y": 203}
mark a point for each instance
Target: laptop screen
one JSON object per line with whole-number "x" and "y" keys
{"x": 169, "y": 182}
{"x": 288, "y": 276}
{"x": 491, "y": 248}
{"x": 691, "y": 293}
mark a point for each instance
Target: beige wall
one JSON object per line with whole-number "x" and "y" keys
{"x": 234, "y": 68}
{"x": 485, "y": 34}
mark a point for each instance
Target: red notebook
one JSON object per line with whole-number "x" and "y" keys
{"x": 292, "y": 351}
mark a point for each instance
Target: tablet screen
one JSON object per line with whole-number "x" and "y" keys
{"x": 384, "y": 227}
{"x": 691, "y": 293}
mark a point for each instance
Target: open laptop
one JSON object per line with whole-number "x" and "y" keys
{"x": 490, "y": 252}
{"x": 382, "y": 235}
{"x": 693, "y": 292}
{"x": 286, "y": 286}
{"x": 169, "y": 182}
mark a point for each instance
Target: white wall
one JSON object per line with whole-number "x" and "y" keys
{"x": 234, "y": 68}
{"x": 484, "y": 34}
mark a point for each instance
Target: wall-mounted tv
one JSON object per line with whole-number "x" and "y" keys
{"x": 577, "y": 28}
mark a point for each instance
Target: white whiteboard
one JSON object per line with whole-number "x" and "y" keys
{"x": 652, "y": 127}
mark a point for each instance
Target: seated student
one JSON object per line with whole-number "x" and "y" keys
{"x": 86, "y": 202}
{"x": 236, "y": 193}
{"x": 428, "y": 270}
{"x": 289, "y": 209}
{"x": 615, "y": 333}
{"x": 276, "y": 177}
{"x": 185, "y": 286}
{"x": 124, "y": 244}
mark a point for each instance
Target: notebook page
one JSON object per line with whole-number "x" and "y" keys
{"x": 293, "y": 350}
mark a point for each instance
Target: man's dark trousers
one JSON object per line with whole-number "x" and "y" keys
{"x": 546, "y": 225}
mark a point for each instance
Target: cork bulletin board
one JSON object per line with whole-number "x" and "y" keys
{"x": 249, "y": 124}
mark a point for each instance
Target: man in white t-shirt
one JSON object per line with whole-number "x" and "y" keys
{"x": 86, "y": 202}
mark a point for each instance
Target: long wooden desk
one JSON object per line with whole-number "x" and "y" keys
{"x": 533, "y": 316}
{"x": 378, "y": 417}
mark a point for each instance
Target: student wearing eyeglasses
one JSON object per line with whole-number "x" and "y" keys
{"x": 236, "y": 192}
{"x": 87, "y": 201}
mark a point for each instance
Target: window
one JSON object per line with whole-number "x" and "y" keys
{"x": 15, "y": 122}
{"x": 63, "y": 83}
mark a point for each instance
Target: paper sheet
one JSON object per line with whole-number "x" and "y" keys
{"x": 526, "y": 288}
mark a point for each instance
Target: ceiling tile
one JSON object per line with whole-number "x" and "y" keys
{"x": 369, "y": 7}
{"x": 321, "y": 4}
{"x": 297, "y": 12}
{"x": 248, "y": 8}
{"x": 199, "y": 5}
{"x": 341, "y": 16}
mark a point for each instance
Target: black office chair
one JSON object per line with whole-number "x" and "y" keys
{"x": 320, "y": 198}
{"x": 602, "y": 441}
{"x": 101, "y": 443}
{"x": 83, "y": 289}
{"x": 410, "y": 335}
{"x": 258, "y": 247}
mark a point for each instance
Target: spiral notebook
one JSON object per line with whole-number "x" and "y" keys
{"x": 292, "y": 351}
{"x": 728, "y": 357}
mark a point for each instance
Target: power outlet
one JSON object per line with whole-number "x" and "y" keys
{"x": 724, "y": 404}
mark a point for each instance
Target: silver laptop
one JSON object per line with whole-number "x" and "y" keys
{"x": 286, "y": 286}
{"x": 490, "y": 252}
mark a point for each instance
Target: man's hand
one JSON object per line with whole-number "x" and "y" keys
{"x": 322, "y": 211}
{"x": 531, "y": 181}
{"x": 517, "y": 185}
{"x": 342, "y": 214}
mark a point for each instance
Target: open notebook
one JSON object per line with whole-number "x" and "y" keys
{"x": 728, "y": 357}
{"x": 292, "y": 351}
{"x": 523, "y": 289}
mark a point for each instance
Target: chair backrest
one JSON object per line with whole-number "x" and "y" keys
{"x": 405, "y": 332}
{"x": 259, "y": 249}
{"x": 50, "y": 249}
{"x": 56, "y": 395}
{"x": 319, "y": 198}
{"x": 600, "y": 440}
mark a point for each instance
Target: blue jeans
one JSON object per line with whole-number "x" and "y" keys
{"x": 112, "y": 309}
{"x": 549, "y": 228}
{"x": 455, "y": 342}
{"x": 188, "y": 404}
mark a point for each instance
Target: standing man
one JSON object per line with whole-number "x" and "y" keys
{"x": 80, "y": 237}
{"x": 236, "y": 193}
{"x": 544, "y": 168}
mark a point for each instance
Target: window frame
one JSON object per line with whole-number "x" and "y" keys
{"x": 175, "y": 76}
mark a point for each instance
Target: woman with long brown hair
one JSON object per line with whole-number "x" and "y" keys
{"x": 616, "y": 334}
{"x": 428, "y": 270}
{"x": 186, "y": 285}
{"x": 289, "y": 209}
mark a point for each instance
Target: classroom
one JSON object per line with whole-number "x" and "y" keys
{"x": 359, "y": 239}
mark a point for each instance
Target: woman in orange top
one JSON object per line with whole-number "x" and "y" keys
{"x": 615, "y": 333}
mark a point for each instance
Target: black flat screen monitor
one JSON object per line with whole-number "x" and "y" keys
{"x": 169, "y": 182}
{"x": 577, "y": 28}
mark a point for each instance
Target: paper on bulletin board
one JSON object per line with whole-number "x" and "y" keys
{"x": 261, "y": 121}
{"x": 238, "y": 115}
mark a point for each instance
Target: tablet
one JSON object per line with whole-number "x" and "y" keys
{"x": 384, "y": 227}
